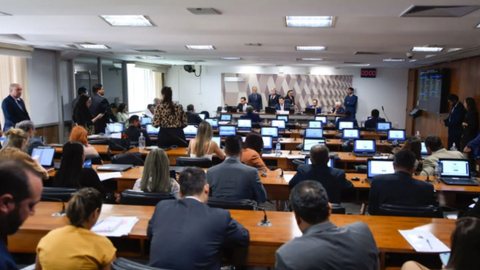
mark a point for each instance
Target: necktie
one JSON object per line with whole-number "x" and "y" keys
{"x": 18, "y": 104}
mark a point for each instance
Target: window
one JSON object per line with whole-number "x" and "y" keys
{"x": 143, "y": 86}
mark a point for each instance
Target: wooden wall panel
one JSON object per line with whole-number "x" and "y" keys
{"x": 49, "y": 133}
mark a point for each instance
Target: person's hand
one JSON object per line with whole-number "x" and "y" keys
{"x": 100, "y": 115}
{"x": 467, "y": 149}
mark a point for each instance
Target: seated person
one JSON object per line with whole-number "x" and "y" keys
{"x": 134, "y": 130}
{"x": 252, "y": 152}
{"x": 12, "y": 153}
{"x": 192, "y": 117}
{"x": 190, "y": 228}
{"x": 400, "y": 188}
{"x": 75, "y": 246}
{"x": 156, "y": 175}
{"x": 332, "y": 179}
{"x": 72, "y": 174}
{"x": 33, "y": 142}
{"x": 436, "y": 151}
{"x": 122, "y": 114}
{"x": 80, "y": 134}
{"x": 324, "y": 245}
{"x": 473, "y": 147}
{"x": 250, "y": 114}
{"x": 282, "y": 106}
{"x": 150, "y": 111}
{"x": 413, "y": 144}
{"x": 16, "y": 138}
{"x": 242, "y": 106}
{"x": 315, "y": 106}
{"x": 375, "y": 118}
{"x": 338, "y": 109}
{"x": 202, "y": 145}
{"x": 347, "y": 117}
{"x": 233, "y": 180}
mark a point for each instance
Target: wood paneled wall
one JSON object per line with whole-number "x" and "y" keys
{"x": 49, "y": 133}
{"x": 464, "y": 82}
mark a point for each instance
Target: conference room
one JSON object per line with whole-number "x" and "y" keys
{"x": 289, "y": 120}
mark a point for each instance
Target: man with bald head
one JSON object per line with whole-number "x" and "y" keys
{"x": 13, "y": 107}
{"x": 333, "y": 180}
{"x": 255, "y": 99}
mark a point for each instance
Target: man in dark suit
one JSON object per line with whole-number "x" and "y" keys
{"x": 13, "y": 107}
{"x": 100, "y": 105}
{"x": 273, "y": 98}
{"x": 454, "y": 121}
{"x": 250, "y": 114}
{"x": 323, "y": 245}
{"x": 400, "y": 188}
{"x": 255, "y": 99}
{"x": 187, "y": 234}
{"x": 374, "y": 119}
{"x": 233, "y": 180}
{"x": 192, "y": 117}
{"x": 333, "y": 180}
{"x": 242, "y": 106}
{"x": 350, "y": 102}
{"x": 282, "y": 106}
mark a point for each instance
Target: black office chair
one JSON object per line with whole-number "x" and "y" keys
{"x": 206, "y": 113}
{"x": 134, "y": 159}
{"x": 232, "y": 204}
{"x": 124, "y": 264}
{"x": 133, "y": 197}
{"x": 57, "y": 194}
{"x": 410, "y": 211}
{"x": 193, "y": 162}
{"x": 338, "y": 209}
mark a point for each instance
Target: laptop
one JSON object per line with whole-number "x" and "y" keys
{"x": 311, "y": 111}
{"x": 145, "y": 121}
{"x": 364, "y": 148}
{"x": 218, "y": 140}
{"x": 345, "y": 124}
{"x": 213, "y": 122}
{"x": 315, "y": 124}
{"x": 308, "y": 143}
{"x": 115, "y": 127}
{"x": 331, "y": 162}
{"x": 283, "y": 117}
{"x": 44, "y": 155}
{"x": 202, "y": 116}
{"x": 267, "y": 144}
{"x": 225, "y": 131}
{"x": 384, "y": 126}
{"x": 270, "y": 131}
{"x": 378, "y": 167}
{"x": 225, "y": 117}
{"x": 322, "y": 119}
{"x": 244, "y": 124}
{"x": 151, "y": 130}
{"x": 190, "y": 131}
{"x": 423, "y": 151}
{"x": 280, "y": 124}
{"x": 270, "y": 110}
{"x": 350, "y": 134}
{"x": 456, "y": 172}
{"x": 114, "y": 167}
{"x": 396, "y": 135}
{"x": 313, "y": 133}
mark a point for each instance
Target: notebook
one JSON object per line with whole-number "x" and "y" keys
{"x": 244, "y": 124}
{"x": 145, "y": 121}
{"x": 424, "y": 151}
{"x": 44, "y": 155}
{"x": 114, "y": 167}
{"x": 283, "y": 117}
{"x": 315, "y": 124}
{"x": 384, "y": 126}
{"x": 313, "y": 133}
{"x": 225, "y": 117}
{"x": 267, "y": 144}
{"x": 350, "y": 134}
{"x": 217, "y": 140}
{"x": 280, "y": 124}
{"x": 322, "y": 119}
{"x": 396, "y": 135}
{"x": 115, "y": 127}
{"x": 225, "y": 131}
{"x": 331, "y": 162}
{"x": 308, "y": 143}
{"x": 270, "y": 131}
{"x": 378, "y": 167}
{"x": 456, "y": 172}
{"x": 364, "y": 147}
{"x": 213, "y": 122}
{"x": 345, "y": 124}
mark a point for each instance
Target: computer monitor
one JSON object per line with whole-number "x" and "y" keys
{"x": 283, "y": 117}
{"x": 225, "y": 131}
{"x": 244, "y": 124}
{"x": 202, "y": 116}
{"x": 217, "y": 140}
{"x": 379, "y": 166}
{"x": 364, "y": 146}
{"x": 396, "y": 135}
{"x": 311, "y": 111}
{"x": 322, "y": 119}
{"x": 213, "y": 122}
{"x": 345, "y": 124}
{"x": 455, "y": 168}
{"x": 44, "y": 155}
{"x": 145, "y": 121}
{"x": 280, "y": 124}
{"x": 384, "y": 126}
{"x": 423, "y": 150}
{"x": 331, "y": 162}
{"x": 315, "y": 124}
{"x": 267, "y": 143}
{"x": 151, "y": 130}
{"x": 313, "y": 133}
{"x": 350, "y": 134}
{"x": 225, "y": 117}
{"x": 115, "y": 127}
{"x": 270, "y": 131}
{"x": 190, "y": 131}
{"x": 308, "y": 143}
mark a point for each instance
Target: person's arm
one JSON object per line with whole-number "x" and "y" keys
{"x": 99, "y": 116}
{"x": 428, "y": 167}
{"x": 151, "y": 223}
{"x": 218, "y": 152}
{"x": 156, "y": 117}
{"x": 258, "y": 163}
{"x": 297, "y": 178}
{"x": 90, "y": 151}
{"x": 236, "y": 234}
{"x": 344, "y": 182}
{"x": 190, "y": 146}
{"x": 258, "y": 188}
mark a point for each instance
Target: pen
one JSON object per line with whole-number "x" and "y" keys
{"x": 428, "y": 242}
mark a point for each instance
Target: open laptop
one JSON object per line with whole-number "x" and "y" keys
{"x": 379, "y": 166}
{"x": 44, "y": 155}
{"x": 218, "y": 140}
{"x": 423, "y": 151}
{"x": 283, "y": 117}
{"x": 270, "y": 131}
{"x": 315, "y": 124}
{"x": 225, "y": 131}
{"x": 151, "y": 130}
{"x": 213, "y": 122}
{"x": 280, "y": 124}
{"x": 396, "y": 135}
{"x": 225, "y": 118}
{"x": 456, "y": 172}
{"x": 114, "y": 167}
{"x": 350, "y": 134}
{"x": 331, "y": 162}
{"x": 311, "y": 111}
{"x": 190, "y": 131}
{"x": 345, "y": 124}
{"x": 267, "y": 144}
{"x": 308, "y": 143}
{"x": 364, "y": 148}
{"x": 145, "y": 121}
{"x": 322, "y": 119}
{"x": 115, "y": 127}
{"x": 313, "y": 133}
{"x": 384, "y": 126}
{"x": 244, "y": 124}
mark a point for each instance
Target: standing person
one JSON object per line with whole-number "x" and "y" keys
{"x": 82, "y": 115}
{"x": 290, "y": 99}
{"x": 13, "y": 107}
{"x": 255, "y": 99}
{"x": 273, "y": 98}
{"x": 80, "y": 92}
{"x": 242, "y": 106}
{"x": 454, "y": 121}
{"x": 100, "y": 106}
{"x": 171, "y": 119}
{"x": 350, "y": 102}
{"x": 470, "y": 123}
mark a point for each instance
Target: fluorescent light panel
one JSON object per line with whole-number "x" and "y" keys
{"x": 200, "y": 47}
{"x": 127, "y": 20}
{"x": 430, "y": 55}
{"x": 309, "y": 21}
{"x": 358, "y": 65}
{"x": 454, "y": 49}
{"x": 310, "y": 48}
{"x": 427, "y": 49}
{"x": 231, "y": 58}
{"x": 93, "y": 46}
{"x": 393, "y": 60}
{"x": 309, "y": 59}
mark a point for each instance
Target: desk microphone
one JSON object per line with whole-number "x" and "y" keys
{"x": 60, "y": 213}
{"x": 385, "y": 114}
{"x": 264, "y": 222}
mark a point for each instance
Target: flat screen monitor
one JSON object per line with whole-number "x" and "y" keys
{"x": 315, "y": 124}
{"x": 225, "y": 117}
{"x": 190, "y": 131}
{"x": 350, "y": 134}
{"x": 313, "y": 133}
{"x": 270, "y": 131}
{"x": 217, "y": 140}
{"x": 379, "y": 166}
{"x": 213, "y": 122}
{"x": 384, "y": 126}
{"x": 145, "y": 121}
{"x": 115, "y": 127}
{"x": 345, "y": 124}
{"x": 331, "y": 162}
{"x": 364, "y": 146}
{"x": 283, "y": 117}
{"x": 151, "y": 130}
{"x": 308, "y": 143}
{"x": 280, "y": 124}
{"x": 396, "y": 135}
{"x": 267, "y": 142}
{"x": 244, "y": 123}
{"x": 225, "y": 131}
{"x": 44, "y": 155}
{"x": 423, "y": 150}
{"x": 455, "y": 168}
{"x": 322, "y": 119}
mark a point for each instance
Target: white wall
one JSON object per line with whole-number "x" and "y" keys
{"x": 112, "y": 83}
{"x": 388, "y": 89}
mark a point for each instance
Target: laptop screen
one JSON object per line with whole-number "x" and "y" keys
{"x": 217, "y": 140}
{"x": 345, "y": 124}
{"x": 152, "y": 130}
{"x": 202, "y": 116}
{"x": 455, "y": 168}
{"x": 313, "y": 133}
{"x": 190, "y": 130}
{"x": 213, "y": 122}
{"x": 282, "y": 117}
{"x": 364, "y": 146}
{"x": 424, "y": 151}
{"x": 115, "y": 127}
{"x": 322, "y": 119}
{"x": 225, "y": 131}
{"x": 379, "y": 166}
{"x": 278, "y": 123}
{"x": 396, "y": 135}
{"x": 314, "y": 124}
{"x": 225, "y": 117}
{"x": 44, "y": 155}
{"x": 270, "y": 131}
{"x": 308, "y": 143}
{"x": 331, "y": 162}
{"x": 351, "y": 134}
{"x": 244, "y": 123}
{"x": 267, "y": 142}
{"x": 145, "y": 121}
{"x": 384, "y": 126}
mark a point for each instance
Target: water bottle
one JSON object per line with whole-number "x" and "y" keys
{"x": 141, "y": 142}
{"x": 417, "y": 134}
{"x": 438, "y": 170}
{"x": 278, "y": 149}
{"x": 454, "y": 147}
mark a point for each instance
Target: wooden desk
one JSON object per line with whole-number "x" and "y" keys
{"x": 264, "y": 241}
{"x": 171, "y": 153}
{"x": 102, "y": 149}
{"x": 333, "y": 144}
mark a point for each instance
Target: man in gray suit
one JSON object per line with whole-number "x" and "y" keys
{"x": 324, "y": 245}
{"x": 436, "y": 151}
{"x": 233, "y": 180}
{"x": 100, "y": 105}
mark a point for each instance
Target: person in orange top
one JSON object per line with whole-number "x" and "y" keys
{"x": 79, "y": 134}
{"x": 252, "y": 152}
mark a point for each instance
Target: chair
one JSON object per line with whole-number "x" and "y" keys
{"x": 338, "y": 209}
{"x": 410, "y": 211}
{"x": 133, "y": 197}
{"x": 57, "y": 194}
{"x": 232, "y": 204}
{"x": 124, "y": 264}
{"x": 194, "y": 162}
{"x": 128, "y": 158}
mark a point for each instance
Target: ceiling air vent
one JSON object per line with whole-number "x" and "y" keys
{"x": 439, "y": 11}
{"x": 365, "y": 53}
{"x": 253, "y": 44}
{"x": 204, "y": 11}
{"x": 149, "y": 51}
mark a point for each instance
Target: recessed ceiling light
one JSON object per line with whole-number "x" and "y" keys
{"x": 454, "y": 49}
{"x": 429, "y": 55}
{"x": 309, "y": 59}
{"x": 93, "y": 46}
{"x": 127, "y": 20}
{"x": 200, "y": 47}
{"x": 231, "y": 58}
{"x": 393, "y": 60}
{"x": 309, "y": 21}
{"x": 427, "y": 49}
{"x": 310, "y": 48}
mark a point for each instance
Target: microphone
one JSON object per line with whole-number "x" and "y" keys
{"x": 264, "y": 222}
{"x": 60, "y": 213}
{"x": 384, "y": 113}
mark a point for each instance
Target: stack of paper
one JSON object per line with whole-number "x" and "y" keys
{"x": 424, "y": 241}
{"x": 111, "y": 175}
{"x": 115, "y": 226}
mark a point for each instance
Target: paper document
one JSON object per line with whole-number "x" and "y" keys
{"x": 109, "y": 175}
{"x": 288, "y": 177}
{"x": 115, "y": 226}
{"x": 424, "y": 241}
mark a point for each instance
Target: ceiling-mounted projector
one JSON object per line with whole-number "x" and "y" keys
{"x": 189, "y": 68}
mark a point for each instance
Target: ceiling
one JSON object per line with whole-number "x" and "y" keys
{"x": 366, "y": 25}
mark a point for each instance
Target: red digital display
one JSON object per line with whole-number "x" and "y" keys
{"x": 368, "y": 73}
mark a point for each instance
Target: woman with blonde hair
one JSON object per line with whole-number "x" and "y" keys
{"x": 16, "y": 138}
{"x": 80, "y": 134}
{"x": 13, "y": 153}
{"x": 202, "y": 145}
{"x": 156, "y": 174}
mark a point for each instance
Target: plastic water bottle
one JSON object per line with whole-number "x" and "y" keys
{"x": 454, "y": 147}
{"x": 417, "y": 134}
{"x": 141, "y": 142}
{"x": 278, "y": 149}
{"x": 438, "y": 170}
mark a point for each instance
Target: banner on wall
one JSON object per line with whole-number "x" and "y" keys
{"x": 326, "y": 88}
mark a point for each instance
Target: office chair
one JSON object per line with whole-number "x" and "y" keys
{"x": 132, "y": 197}
{"x": 125, "y": 264}
{"x": 232, "y": 204}
{"x": 193, "y": 162}
{"x": 57, "y": 194}
{"x": 134, "y": 159}
{"x": 410, "y": 211}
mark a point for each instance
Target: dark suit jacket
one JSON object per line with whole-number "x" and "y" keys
{"x": 234, "y": 180}
{"x": 454, "y": 121}
{"x": 350, "y": 103}
{"x": 273, "y": 100}
{"x": 286, "y": 107}
{"x": 255, "y": 99}
{"x": 187, "y": 234}
{"x": 133, "y": 133}
{"x": 253, "y": 116}
{"x": 333, "y": 180}
{"x": 372, "y": 122}
{"x": 399, "y": 189}
{"x": 193, "y": 118}
{"x": 470, "y": 131}
{"x": 240, "y": 107}
{"x": 100, "y": 105}
{"x": 13, "y": 113}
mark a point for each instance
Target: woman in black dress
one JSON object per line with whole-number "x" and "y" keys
{"x": 82, "y": 115}
{"x": 290, "y": 99}
{"x": 470, "y": 123}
